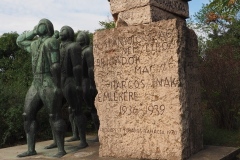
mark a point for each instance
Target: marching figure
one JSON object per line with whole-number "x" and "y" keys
{"x": 45, "y": 89}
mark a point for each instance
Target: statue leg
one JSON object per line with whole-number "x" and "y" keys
{"x": 59, "y": 129}
{"x": 75, "y": 102}
{"x": 52, "y": 99}
{"x": 75, "y": 136}
{"x": 81, "y": 121}
{"x": 54, "y": 144}
{"x": 89, "y": 100}
{"x": 32, "y": 105}
{"x": 96, "y": 123}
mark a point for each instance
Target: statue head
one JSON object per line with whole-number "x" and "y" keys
{"x": 83, "y": 38}
{"x": 56, "y": 34}
{"x": 45, "y": 27}
{"x": 66, "y": 33}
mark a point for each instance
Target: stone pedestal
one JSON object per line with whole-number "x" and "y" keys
{"x": 148, "y": 96}
{"x": 135, "y": 12}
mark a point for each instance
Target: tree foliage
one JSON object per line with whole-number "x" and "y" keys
{"x": 220, "y": 74}
{"x": 216, "y": 17}
{"x": 15, "y": 71}
{"x": 8, "y": 45}
{"x": 106, "y": 24}
{"x": 220, "y": 67}
{"x": 223, "y": 9}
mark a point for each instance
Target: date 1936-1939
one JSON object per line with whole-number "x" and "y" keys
{"x": 146, "y": 110}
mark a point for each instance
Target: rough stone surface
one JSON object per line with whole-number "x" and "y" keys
{"x": 177, "y": 7}
{"x": 145, "y": 15}
{"x": 142, "y": 102}
{"x": 193, "y": 92}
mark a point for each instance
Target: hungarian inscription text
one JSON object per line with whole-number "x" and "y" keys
{"x": 136, "y": 62}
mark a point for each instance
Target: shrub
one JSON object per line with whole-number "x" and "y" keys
{"x": 220, "y": 72}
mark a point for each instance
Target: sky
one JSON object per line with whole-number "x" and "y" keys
{"x": 23, "y": 15}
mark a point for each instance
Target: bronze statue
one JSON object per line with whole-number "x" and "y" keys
{"x": 88, "y": 82}
{"x": 75, "y": 136}
{"x": 71, "y": 81}
{"x": 67, "y": 37}
{"x": 45, "y": 89}
{"x": 56, "y": 34}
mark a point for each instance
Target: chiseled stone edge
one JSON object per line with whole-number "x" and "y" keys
{"x": 145, "y": 15}
{"x": 118, "y": 6}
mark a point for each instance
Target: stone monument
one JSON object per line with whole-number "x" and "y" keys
{"x": 147, "y": 80}
{"x": 147, "y": 11}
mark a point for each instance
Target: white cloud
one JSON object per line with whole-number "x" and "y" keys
{"x": 21, "y": 15}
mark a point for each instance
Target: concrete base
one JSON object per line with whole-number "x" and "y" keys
{"x": 91, "y": 152}
{"x": 216, "y": 153}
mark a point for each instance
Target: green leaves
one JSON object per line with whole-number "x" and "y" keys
{"x": 106, "y": 24}
{"x": 225, "y": 6}
{"x": 224, "y": 9}
{"x": 15, "y": 79}
{"x": 8, "y": 44}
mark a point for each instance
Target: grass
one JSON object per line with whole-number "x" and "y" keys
{"x": 212, "y": 135}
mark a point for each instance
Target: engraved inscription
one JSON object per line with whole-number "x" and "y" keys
{"x": 130, "y": 84}
{"x": 117, "y": 96}
{"x": 159, "y": 40}
{"x": 146, "y": 90}
{"x": 139, "y": 130}
{"x": 149, "y": 110}
{"x": 165, "y": 82}
{"x": 117, "y": 60}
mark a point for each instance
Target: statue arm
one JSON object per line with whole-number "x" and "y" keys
{"x": 54, "y": 58}
{"x": 76, "y": 59}
{"x": 90, "y": 64}
{"x": 24, "y": 40}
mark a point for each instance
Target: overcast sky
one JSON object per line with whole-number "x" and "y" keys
{"x": 21, "y": 15}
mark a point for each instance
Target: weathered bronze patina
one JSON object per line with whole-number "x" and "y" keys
{"x": 88, "y": 82}
{"x": 71, "y": 80}
{"x": 45, "y": 89}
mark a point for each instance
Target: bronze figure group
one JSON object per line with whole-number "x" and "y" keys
{"x": 62, "y": 68}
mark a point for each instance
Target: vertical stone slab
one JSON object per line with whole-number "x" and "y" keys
{"x": 193, "y": 92}
{"x": 142, "y": 99}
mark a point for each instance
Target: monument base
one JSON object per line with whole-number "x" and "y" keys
{"x": 148, "y": 91}
{"x": 216, "y": 153}
{"x": 92, "y": 152}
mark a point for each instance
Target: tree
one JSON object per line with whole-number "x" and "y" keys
{"x": 213, "y": 21}
{"x": 15, "y": 79}
{"x": 220, "y": 74}
{"x": 216, "y": 17}
{"x": 221, "y": 65}
{"x": 106, "y": 24}
{"x": 8, "y": 45}
{"x": 225, "y": 10}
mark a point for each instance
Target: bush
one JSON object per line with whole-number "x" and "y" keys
{"x": 220, "y": 72}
